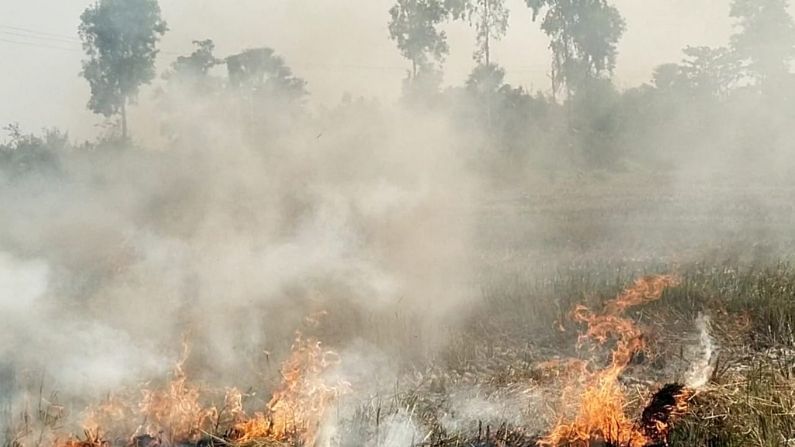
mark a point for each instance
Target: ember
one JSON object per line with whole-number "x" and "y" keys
{"x": 667, "y": 403}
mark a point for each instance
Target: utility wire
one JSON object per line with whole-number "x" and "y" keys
{"x": 46, "y": 39}
{"x": 42, "y": 33}
{"x": 38, "y": 45}
{"x": 61, "y": 38}
{"x": 33, "y": 38}
{"x": 28, "y": 33}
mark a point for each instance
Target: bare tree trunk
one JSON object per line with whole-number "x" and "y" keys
{"x": 553, "y": 78}
{"x": 486, "y": 30}
{"x": 124, "y": 119}
{"x": 487, "y": 42}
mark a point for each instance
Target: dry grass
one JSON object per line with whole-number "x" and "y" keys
{"x": 750, "y": 401}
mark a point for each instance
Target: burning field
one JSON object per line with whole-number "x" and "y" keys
{"x": 277, "y": 230}
{"x": 624, "y": 385}
{"x": 396, "y": 315}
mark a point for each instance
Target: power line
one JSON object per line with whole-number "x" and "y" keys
{"x": 299, "y": 68}
{"x": 42, "y": 33}
{"x": 30, "y": 36}
{"x": 38, "y": 45}
{"x": 61, "y": 38}
{"x": 28, "y": 33}
{"x": 23, "y": 36}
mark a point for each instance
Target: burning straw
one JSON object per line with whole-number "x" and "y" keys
{"x": 175, "y": 415}
{"x": 601, "y": 417}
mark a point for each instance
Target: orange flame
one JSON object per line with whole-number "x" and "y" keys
{"x": 175, "y": 413}
{"x": 298, "y": 407}
{"x": 172, "y": 413}
{"x": 601, "y": 414}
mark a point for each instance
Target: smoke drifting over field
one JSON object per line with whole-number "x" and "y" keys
{"x": 232, "y": 243}
{"x": 441, "y": 243}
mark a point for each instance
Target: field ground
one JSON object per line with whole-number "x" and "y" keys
{"x": 542, "y": 252}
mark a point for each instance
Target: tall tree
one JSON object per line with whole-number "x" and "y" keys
{"x": 490, "y": 18}
{"x": 120, "y": 39}
{"x": 413, "y": 26}
{"x": 583, "y": 38}
{"x": 765, "y": 39}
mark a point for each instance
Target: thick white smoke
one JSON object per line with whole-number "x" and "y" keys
{"x": 703, "y": 366}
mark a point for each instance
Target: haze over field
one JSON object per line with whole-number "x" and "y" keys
{"x": 336, "y": 46}
{"x": 397, "y": 223}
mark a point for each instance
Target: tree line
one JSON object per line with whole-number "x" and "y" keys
{"x": 582, "y": 115}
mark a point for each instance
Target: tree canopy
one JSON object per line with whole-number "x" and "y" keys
{"x": 120, "y": 40}
{"x": 490, "y": 18}
{"x": 765, "y": 39}
{"x": 583, "y": 34}
{"x": 414, "y": 27}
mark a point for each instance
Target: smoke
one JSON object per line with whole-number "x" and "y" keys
{"x": 470, "y": 407}
{"x": 400, "y": 430}
{"x": 702, "y": 367}
{"x": 236, "y": 216}
{"x": 230, "y": 236}
{"x": 78, "y": 352}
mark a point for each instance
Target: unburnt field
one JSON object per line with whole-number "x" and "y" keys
{"x": 500, "y": 374}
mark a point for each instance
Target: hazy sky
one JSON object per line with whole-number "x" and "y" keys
{"x": 336, "y": 45}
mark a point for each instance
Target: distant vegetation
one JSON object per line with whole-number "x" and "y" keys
{"x": 726, "y": 103}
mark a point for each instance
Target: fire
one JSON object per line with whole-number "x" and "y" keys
{"x": 92, "y": 439}
{"x": 171, "y": 413}
{"x": 175, "y": 413}
{"x": 298, "y": 407}
{"x": 601, "y": 414}
{"x": 667, "y": 403}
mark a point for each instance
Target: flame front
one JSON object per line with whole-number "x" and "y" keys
{"x": 174, "y": 414}
{"x": 601, "y": 406}
{"x": 298, "y": 407}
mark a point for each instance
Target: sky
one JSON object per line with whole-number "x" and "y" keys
{"x": 338, "y": 46}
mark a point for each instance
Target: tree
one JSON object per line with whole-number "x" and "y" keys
{"x": 192, "y": 72}
{"x": 28, "y": 153}
{"x": 266, "y": 87}
{"x": 120, "y": 39}
{"x": 413, "y": 26}
{"x": 765, "y": 40}
{"x": 709, "y": 71}
{"x": 197, "y": 64}
{"x": 583, "y": 38}
{"x": 486, "y": 80}
{"x": 667, "y": 77}
{"x": 704, "y": 72}
{"x": 490, "y": 18}
{"x": 484, "y": 84}
{"x": 424, "y": 88}
{"x": 263, "y": 73}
